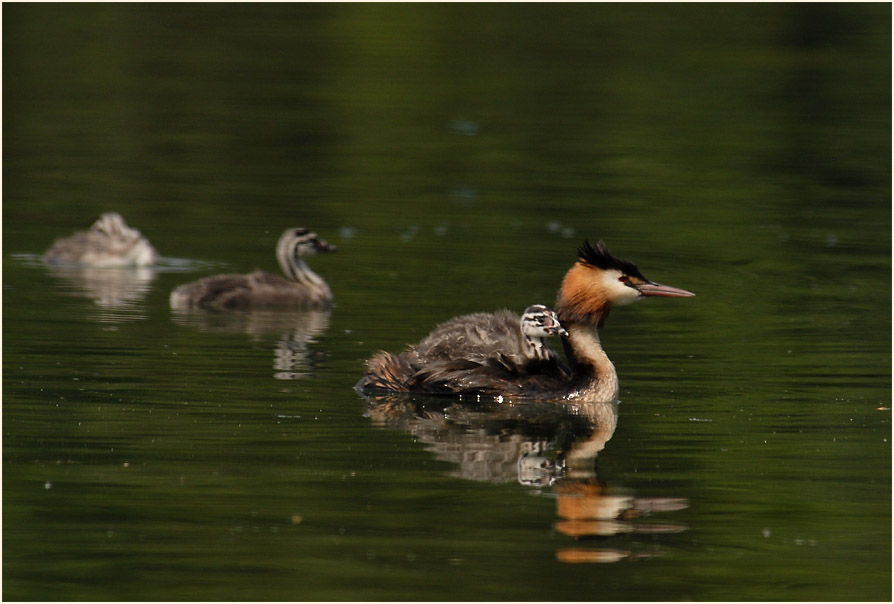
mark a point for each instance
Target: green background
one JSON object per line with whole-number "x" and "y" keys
{"x": 457, "y": 155}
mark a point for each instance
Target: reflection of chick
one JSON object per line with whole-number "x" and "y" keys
{"x": 108, "y": 288}
{"x": 292, "y": 356}
{"x": 108, "y": 243}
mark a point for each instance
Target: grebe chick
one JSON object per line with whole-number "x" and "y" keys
{"x": 475, "y": 337}
{"x": 303, "y": 288}
{"x": 469, "y": 354}
{"x": 537, "y": 323}
{"x": 108, "y": 243}
{"x": 484, "y": 354}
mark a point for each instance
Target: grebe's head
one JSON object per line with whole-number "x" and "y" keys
{"x": 111, "y": 224}
{"x": 299, "y": 242}
{"x": 538, "y": 321}
{"x": 600, "y": 280}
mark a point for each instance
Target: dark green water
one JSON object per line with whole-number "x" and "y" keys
{"x": 457, "y": 155}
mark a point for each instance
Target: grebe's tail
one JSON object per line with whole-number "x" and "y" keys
{"x": 386, "y": 371}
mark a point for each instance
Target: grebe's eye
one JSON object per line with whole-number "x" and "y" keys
{"x": 624, "y": 279}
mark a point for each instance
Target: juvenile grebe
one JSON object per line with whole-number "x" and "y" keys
{"x": 108, "y": 243}
{"x": 484, "y": 353}
{"x": 539, "y": 322}
{"x": 304, "y": 289}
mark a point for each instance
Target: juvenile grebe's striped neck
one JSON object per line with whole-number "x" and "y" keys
{"x": 537, "y": 323}
{"x": 296, "y": 244}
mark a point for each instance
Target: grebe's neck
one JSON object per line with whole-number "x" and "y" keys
{"x": 583, "y": 304}
{"x": 537, "y": 347}
{"x": 595, "y": 375}
{"x": 296, "y": 269}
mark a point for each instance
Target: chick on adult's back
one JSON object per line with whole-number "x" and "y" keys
{"x": 260, "y": 289}
{"x": 479, "y": 353}
{"x": 484, "y": 353}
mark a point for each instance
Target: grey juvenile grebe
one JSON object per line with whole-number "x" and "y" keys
{"x": 108, "y": 243}
{"x": 260, "y": 289}
{"x": 481, "y": 353}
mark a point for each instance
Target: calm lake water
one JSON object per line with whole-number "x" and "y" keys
{"x": 457, "y": 156}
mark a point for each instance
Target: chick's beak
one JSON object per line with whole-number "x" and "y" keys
{"x": 554, "y": 328}
{"x": 666, "y": 291}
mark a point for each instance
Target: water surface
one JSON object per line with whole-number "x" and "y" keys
{"x": 457, "y": 156}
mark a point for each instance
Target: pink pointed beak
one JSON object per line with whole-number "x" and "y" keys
{"x": 666, "y": 291}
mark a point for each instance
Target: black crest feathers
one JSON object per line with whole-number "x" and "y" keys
{"x": 599, "y": 257}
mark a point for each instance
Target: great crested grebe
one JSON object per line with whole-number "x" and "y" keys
{"x": 108, "y": 243}
{"x": 483, "y": 353}
{"x": 303, "y": 289}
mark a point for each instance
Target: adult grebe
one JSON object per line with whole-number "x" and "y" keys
{"x": 108, "y": 243}
{"x": 483, "y": 353}
{"x": 304, "y": 289}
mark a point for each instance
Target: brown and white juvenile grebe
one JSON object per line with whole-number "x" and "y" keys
{"x": 486, "y": 354}
{"x": 108, "y": 243}
{"x": 303, "y": 289}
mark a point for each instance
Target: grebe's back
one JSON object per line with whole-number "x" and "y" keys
{"x": 480, "y": 353}
{"x": 108, "y": 243}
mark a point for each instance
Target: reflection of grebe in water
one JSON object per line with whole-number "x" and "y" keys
{"x": 293, "y": 356}
{"x": 485, "y": 354}
{"x": 112, "y": 289}
{"x": 108, "y": 243}
{"x": 532, "y": 443}
{"x": 547, "y": 447}
{"x": 260, "y": 289}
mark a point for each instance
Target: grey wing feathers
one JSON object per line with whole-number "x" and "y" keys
{"x": 476, "y": 337}
{"x": 478, "y": 353}
{"x": 220, "y": 291}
